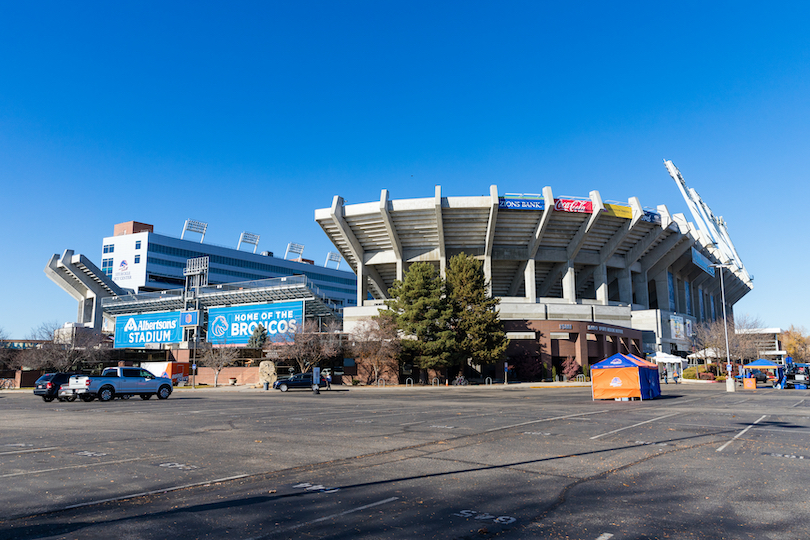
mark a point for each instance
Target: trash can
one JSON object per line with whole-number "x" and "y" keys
{"x": 267, "y": 386}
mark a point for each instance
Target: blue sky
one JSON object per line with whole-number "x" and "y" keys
{"x": 250, "y": 115}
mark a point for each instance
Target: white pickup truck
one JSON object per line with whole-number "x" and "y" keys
{"x": 117, "y": 382}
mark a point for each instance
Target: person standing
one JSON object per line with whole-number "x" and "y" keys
{"x": 328, "y": 380}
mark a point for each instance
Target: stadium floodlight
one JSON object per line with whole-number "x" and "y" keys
{"x": 248, "y": 238}
{"x": 194, "y": 226}
{"x": 295, "y": 249}
{"x": 332, "y": 257}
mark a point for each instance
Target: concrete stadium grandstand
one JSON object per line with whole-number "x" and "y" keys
{"x": 577, "y": 277}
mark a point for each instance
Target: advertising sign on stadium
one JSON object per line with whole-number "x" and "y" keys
{"x": 521, "y": 204}
{"x": 702, "y": 262}
{"x": 573, "y": 205}
{"x": 235, "y": 325}
{"x": 618, "y": 210}
{"x": 140, "y": 330}
{"x": 651, "y": 217}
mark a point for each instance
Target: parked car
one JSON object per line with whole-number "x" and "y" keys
{"x": 760, "y": 376}
{"x": 115, "y": 382}
{"x": 47, "y": 386}
{"x": 299, "y": 380}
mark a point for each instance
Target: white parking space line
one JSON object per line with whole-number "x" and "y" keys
{"x": 155, "y": 492}
{"x": 29, "y": 450}
{"x": 604, "y": 536}
{"x": 740, "y": 434}
{"x": 358, "y": 509}
{"x": 545, "y": 420}
{"x": 797, "y": 404}
{"x": 635, "y": 425}
{"x": 40, "y": 471}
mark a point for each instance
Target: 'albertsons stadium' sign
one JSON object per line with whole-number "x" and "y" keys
{"x": 235, "y": 325}
{"x": 138, "y": 330}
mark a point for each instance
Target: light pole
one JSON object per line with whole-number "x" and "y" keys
{"x": 730, "y": 376}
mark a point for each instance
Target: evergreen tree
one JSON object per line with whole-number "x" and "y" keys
{"x": 423, "y": 313}
{"x": 478, "y": 329}
{"x": 258, "y": 338}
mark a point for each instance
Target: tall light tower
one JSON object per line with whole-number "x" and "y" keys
{"x": 730, "y": 376}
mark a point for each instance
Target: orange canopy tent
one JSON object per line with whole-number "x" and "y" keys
{"x": 624, "y": 376}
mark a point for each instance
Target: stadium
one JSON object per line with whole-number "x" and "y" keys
{"x": 577, "y": 277}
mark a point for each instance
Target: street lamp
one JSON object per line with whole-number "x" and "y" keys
{"x": 730, "y": 377}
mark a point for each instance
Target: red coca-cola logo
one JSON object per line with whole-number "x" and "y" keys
{"x": 571, "y": 205}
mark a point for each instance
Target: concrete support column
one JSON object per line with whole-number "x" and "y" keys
{"x": 601, "y": 346}
{"x": 529, "y": 280}
{"x": 662, "y": 291}
{"x": 569, "y": 283}
{"x": 400, "y": 270}
{"x": 487, "y": 273}
{"x": 641, "y": 289}
{"x": 625, "y": 285}
{"x": 582, "y": 352}
{"x": 600, "y": 283}
{"x": 362, "y": 284}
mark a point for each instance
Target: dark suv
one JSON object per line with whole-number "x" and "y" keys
{"x": 299, "y": 380}
{"x": 48, "y": 385}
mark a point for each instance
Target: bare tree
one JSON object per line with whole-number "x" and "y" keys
{"x": 310, "y": 347}
{"x": 63, "y": 348}
{"x": 218, "y": 358}
{"x": 742, "y": 342}
{"x": 376, "y": 343}
{"x": 5, "y": 351}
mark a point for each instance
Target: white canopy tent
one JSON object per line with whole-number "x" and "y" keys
{"x": 672, "y": 364}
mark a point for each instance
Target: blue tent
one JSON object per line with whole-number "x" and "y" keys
{"x": 761, "y": 363}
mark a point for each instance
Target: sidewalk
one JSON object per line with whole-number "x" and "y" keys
{"x": 345, "y": 387}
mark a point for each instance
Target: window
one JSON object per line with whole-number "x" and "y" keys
{"x": 109, "y": 248}
{"x": 107, "y": 266}
{"x": 137, "y": 259}
{"x": 138, "y": 244}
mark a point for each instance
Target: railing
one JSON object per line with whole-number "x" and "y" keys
{"x": 488, "y": 381}
{"x": 435, "y": 381}
{"x": 380, "y": 382}
{"x": 580, "y": 378}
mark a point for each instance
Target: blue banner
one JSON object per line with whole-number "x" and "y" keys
{"x": 138, "y": 330}
{"x": 235, "y": 325}
{"x": 521, "y": 204}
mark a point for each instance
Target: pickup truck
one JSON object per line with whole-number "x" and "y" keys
{"x": 117, "y": 382}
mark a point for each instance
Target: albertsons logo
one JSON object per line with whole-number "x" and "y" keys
{"x": 219, "y": 326}
{"x": 131, "y": 325}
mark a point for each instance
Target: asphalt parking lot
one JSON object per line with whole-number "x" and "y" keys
{"x": 470, "y": 462}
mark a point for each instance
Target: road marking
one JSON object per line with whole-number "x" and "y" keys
{"x": 157, "y": 491}
{"x": 353, "y": 510}
{"x": 740, "y": 434}
{"x": 31, "y": 450}
{"x": 797, "y": 404}
{"x": 70, "y": 467}
{"x": 634, "y": 425}
{"x": 413, "y": 423}
{"x": 545, "y": 420}
{"x": 604, "y": 536}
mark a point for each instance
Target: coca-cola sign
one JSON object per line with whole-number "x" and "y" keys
{"x": 572, "y": 205}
